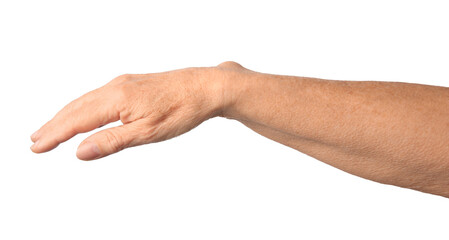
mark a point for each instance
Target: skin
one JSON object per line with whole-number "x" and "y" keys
{"x": 393, "y": 133}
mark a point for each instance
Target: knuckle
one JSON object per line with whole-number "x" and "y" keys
{"x": 114, "y": 140}
{"x": 148, "y": 133}
{"x": 122, "y": 78}
{"x": 124, "y": 97}
{"x": 124, "y": 91}
{"x": 125, "y": 77}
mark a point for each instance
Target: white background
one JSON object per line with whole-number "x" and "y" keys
{"x": 221, "y": 180}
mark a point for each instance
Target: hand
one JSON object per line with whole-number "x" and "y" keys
{"x": 152, "y": 108}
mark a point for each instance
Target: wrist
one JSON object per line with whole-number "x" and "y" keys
{"x": 232, "y": 81}
{"x": 223, "y": 87}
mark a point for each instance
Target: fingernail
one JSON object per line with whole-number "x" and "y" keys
{"x": 35, "y": 145}
{"x": 34, "y": 135}
{"x": 88, "y": 151}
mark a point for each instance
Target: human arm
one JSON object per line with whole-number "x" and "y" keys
{"x": 393, "y": 133}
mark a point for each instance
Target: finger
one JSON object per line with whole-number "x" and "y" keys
{"x": 113, "y": 140}
{"x": 86, "y": 113}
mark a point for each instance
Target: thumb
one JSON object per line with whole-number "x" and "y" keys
{"x": 110, "y": 141}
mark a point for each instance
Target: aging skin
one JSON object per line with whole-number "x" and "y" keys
{"x": 389, "y": 132}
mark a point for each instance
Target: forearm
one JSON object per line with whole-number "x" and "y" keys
{"x": 393, "y": 133}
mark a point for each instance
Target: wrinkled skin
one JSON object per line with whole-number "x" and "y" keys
{"x": 152, "y": 108}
